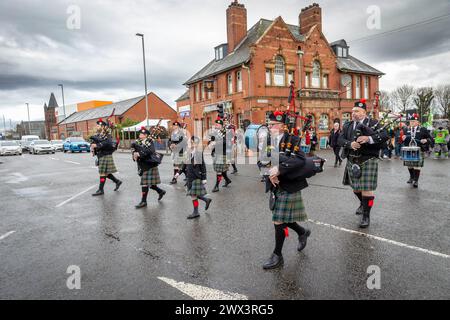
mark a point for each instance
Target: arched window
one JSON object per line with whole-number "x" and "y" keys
{"x": 279, "y": 73}
{"x": 346, "y": 117}
{"x": 316, "y": 75}
{"x": 323, "y": 123}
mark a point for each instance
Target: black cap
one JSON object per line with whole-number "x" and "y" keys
{"x": 144, "y": 131}
{"x": 278, "y": 116}
{"x": 361, "y": 104}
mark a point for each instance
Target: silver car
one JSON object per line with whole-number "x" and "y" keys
{"x": 10, "y": 147}
{"x": 58, "y": 144}
{"x": 41, "y": 146}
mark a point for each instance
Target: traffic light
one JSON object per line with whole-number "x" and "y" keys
{"x": 220, "y": 111}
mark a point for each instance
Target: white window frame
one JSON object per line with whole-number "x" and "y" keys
{"x": 325, "y": 81}
{"x": 316, "y": 78}
{"x": 357, "y": 87}
{"x": 349, "y": 90}
{"x": 203, "y": 91}
{"x": 229, "y": 84}
{"x": 366, "y": 87}
{"x": 239, "y": 81}
{"x": 279, "y": 74}
{"x": 307, "y": 80}
{"x": 268, "y": 77}
{"x": 197, "y": 93}
{"x": 340, "y": 51}
{"x": 322, "y": 125}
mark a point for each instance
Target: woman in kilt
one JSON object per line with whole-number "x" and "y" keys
{"x": 178, "y": 145}
{"x": 362, "y": 139}
{"x": 288, "y": 208}
{"x": 142, "y": 151}
{"x": 423, "y": 139}
{"x": 103, "y": 147}
{"x": 195, "y": 171}
{"x": 220, "y": 162}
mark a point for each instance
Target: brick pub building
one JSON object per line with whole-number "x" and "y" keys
{"x": 251, "y": 73}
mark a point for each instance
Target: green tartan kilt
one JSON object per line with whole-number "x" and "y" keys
{"x": 289, "y": 207}
{"x": 220, "y": 164}
{"x": 369, "y": 176}
{"x": 416, "y": 164}
{"x": 197, "y": 188}
{"x": 150, "y": 177}
{"x": 106, "y": 165}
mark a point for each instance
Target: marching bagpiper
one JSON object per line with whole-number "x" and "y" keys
{"x": 419, "y": 136}
{"x": 195, "y": 171}
{"x": 144, "y": 153}
{"x": 178, "y": 145}
{"x": 103, "y": 147}
{"x": 362, "y": 140}
{"x": 221, "y": 163}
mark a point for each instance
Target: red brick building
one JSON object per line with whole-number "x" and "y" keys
{"x": 83, "y": 123}
{"x": 50, "y": 116}
{"x": 251, "y": 73}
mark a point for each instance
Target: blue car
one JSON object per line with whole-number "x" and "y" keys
{"x": 75, "y": 144}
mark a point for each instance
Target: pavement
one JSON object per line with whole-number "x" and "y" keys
{"x": 50, "y": 224}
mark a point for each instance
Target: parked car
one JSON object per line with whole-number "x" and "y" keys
{"x": 41, "y": 146}
{"x": 58, "y": 144}
{"x": 10, "y": 147}
{"x": 76, "y": 144}
{"x": 26, "y": 140}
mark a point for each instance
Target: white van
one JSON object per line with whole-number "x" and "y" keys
{"x": 26, "y": 140}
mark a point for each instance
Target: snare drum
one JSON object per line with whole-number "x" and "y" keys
{"x": 412, "y": 157}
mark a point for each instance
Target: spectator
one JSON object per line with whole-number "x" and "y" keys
{"x": 334, "y": 135}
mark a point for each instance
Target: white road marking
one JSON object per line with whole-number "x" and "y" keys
{"x": 400, "y": 244}
{"x": 6, "y": 235}
{"x": 75, "y": 196}
{"x": 72, "y": 162}
{"x": 202, "y": 293}
{"x": 54, "y": 158}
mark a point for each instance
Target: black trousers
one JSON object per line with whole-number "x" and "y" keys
{"x": 337, "y": 150}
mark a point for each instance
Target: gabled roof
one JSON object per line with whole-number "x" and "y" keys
{"x": 52, "y": 102}
{"x": 351, "y": 64}
{"x": 185, "y": 96}
{"x": 103, "y": 112}
{"x": 341, "y": 43}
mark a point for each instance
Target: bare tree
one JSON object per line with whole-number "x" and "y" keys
{"x": 424, "y": 98}
{"x": 403, "y": 96}
{"x": 386, "y": 102}
{"x": 442, "y": 96}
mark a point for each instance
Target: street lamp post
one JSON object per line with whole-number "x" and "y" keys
{"x": 29, "y": 124}
{"x": 145, "y": 76}
{"x": 64, "y": 105}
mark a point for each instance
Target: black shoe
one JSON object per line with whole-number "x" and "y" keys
{"x": 216, "y": 189}
{"x": 365, "y": 221}
{"x": 302, "y": 240}
{"x": 234, "y": 172}
{"x": 335, "y": 165}
{"x": 174, "y": 181}
{"x": 142, "y": 204}
{"x": 359, "y": 211}
{"x": 415, "y": 184}
{"x": 273, "y": 262}
{"x": 98, "y": 193}
{"x": 193, "y": 215}
{"x": 118, "y": 185}
{"x": 207, "y": 203}
{"x": 263, "y": 179}
{"x": 340, "y": 163}
{"x": 161, "y": 195}
{"x": 227, "y": 183}
{"x": 410, "y": 181}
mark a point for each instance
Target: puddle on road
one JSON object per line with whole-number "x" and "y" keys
{"x": 32, "y": 191}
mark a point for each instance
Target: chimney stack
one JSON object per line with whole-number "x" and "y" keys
{"x": 309, "y": 17}
{"x": 236, "y": 24}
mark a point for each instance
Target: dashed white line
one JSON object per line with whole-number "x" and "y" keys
{"x": 203, "y": 293}
{"x": 71, "y": 162}
{"x": 399, "y": 244}
{"x": 6, "y": 235}
{"x": 75, "y": 196}
{"x": 54, "y": 158}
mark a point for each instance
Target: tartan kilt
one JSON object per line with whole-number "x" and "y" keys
{"x": 197, "y": 188}
{"x": 220, "y": 164}
{"x": 369, "y": 176}
{"x": 150, "y": 177}
{"x": 106, "y": 165}
{"x": 416, "y": 164}
{"x": 289, "y": 207}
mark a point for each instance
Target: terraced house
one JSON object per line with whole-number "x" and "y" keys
{"x": 251, "y": 73}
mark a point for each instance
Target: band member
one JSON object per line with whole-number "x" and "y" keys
{"x": 441, "y": 136}
{"x": 423, "y": 140}
{"x": 195, "y": 171}
{"x": 178, "y": 145}
{"x": 288, "y": 205}
{"x": 234, "y": 150}
{"x": 219, "y": 144}
{"x": 103, "y": 147}
{"x": 362, "y": 139}
{"x": 314, "y": 141}
{"x": 333, "y": 140}
{"x": 143, "y": 150}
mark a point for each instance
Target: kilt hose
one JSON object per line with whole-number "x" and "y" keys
{"x": 197, "y": 188}
{"x": 289, "y": 207}
{"x": 150, "y": 177}
{"x": 369, "y": 175}
{"x": 416, "y": 164}
{"x": 220, "y": 164}
{"x": 106, "y": 165}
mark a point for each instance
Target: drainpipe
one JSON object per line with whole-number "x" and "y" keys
{"x": 249, "y": 87}
{"x": 300, "y": 60}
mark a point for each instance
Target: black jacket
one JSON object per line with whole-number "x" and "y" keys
{"x": 367, "y": 150}
{"x": 333, "y": 139}
{"x": 422, "y": 133}
{"x": 145, "y": 152}
{"x": 196, "y": 168}
{"x": 105, "y": 145}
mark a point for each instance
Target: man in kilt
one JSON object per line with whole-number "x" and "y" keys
{"x": 286, "y": 203}
{"x": 143, "y": 150}
{"x": 362, "y": 139}
{"x": 422, "y": 139}
{"x": 195, "y": 171}
{"x": 103, "y": 147}
{"x": 219, "y": 143}
{"x": 178, "y": 145}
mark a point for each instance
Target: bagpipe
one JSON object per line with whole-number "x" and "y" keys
{"x": 111, "y": 130}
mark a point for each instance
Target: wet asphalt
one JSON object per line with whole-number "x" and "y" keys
{"x": 122, "y": 251}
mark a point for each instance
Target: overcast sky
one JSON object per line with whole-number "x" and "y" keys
{"x": 103, "y": 59}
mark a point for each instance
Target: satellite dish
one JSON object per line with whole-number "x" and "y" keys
{"x": 345, "y": 80}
